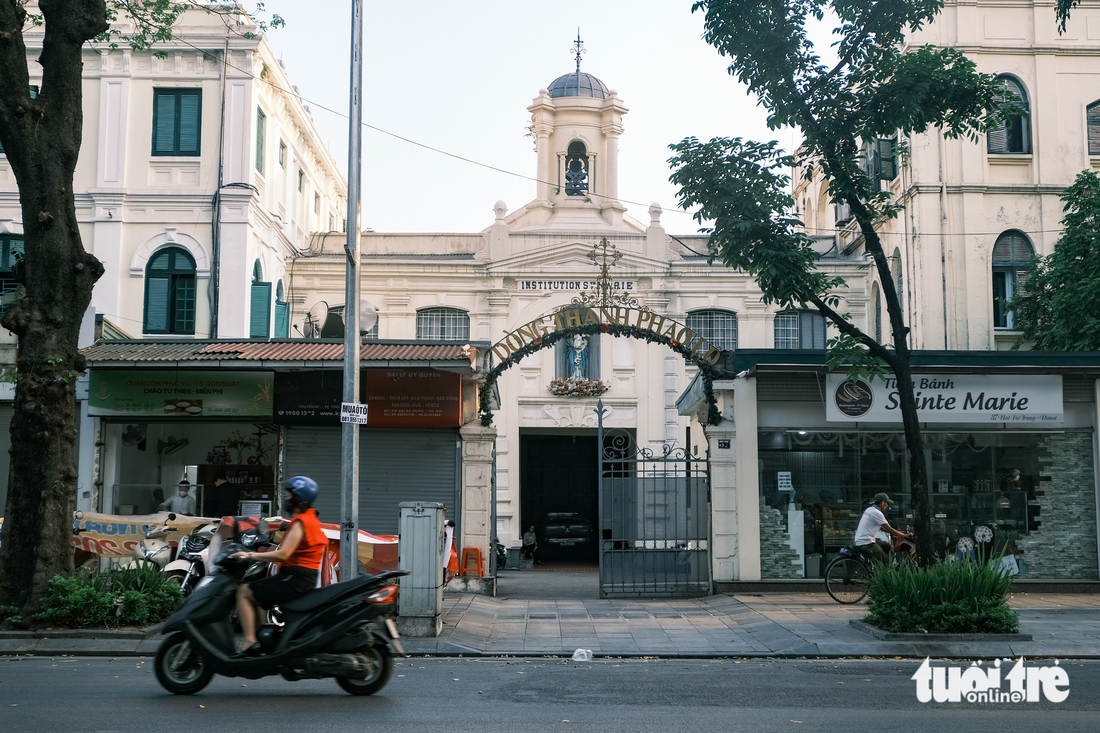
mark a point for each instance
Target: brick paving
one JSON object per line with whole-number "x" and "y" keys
{"x": 768, "y": 624}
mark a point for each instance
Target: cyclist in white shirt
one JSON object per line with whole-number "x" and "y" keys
{"x": 870, "y": 523}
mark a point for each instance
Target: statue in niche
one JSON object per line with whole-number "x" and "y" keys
{"x": 579, "y": 357}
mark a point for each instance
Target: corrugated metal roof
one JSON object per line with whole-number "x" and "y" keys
{"x": 104, "y": 353}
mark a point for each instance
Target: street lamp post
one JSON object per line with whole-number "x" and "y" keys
{"x": 349, "y": 437}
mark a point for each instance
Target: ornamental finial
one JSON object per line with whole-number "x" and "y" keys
{"x": 578, "y": 48}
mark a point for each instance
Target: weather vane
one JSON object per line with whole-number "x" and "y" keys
{"x": 578, "y": 48}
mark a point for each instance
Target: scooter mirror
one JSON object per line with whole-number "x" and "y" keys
{"x": 171, "y": 517}
{"x": 78, "y": 515}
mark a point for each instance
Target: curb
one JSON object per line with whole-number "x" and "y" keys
{"x": 920, "y": 638}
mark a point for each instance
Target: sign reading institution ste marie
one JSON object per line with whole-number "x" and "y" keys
{"x": 949, "y": 398}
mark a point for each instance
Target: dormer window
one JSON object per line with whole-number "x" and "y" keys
{"x": 576, "y": 169}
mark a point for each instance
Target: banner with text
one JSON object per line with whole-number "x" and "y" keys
{"x": 949, "y": 398}
{"x": 150, "y": 393}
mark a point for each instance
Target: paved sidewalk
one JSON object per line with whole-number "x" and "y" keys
{"x": 804, "y": 624}
{"x": 765, "y": 625}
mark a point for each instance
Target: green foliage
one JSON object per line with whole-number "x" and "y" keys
{"x": 952, "y": 597}
{"x": 152, "y": 21}
{"x": 1059, "y": 305}
{"x": 125, "y": 597}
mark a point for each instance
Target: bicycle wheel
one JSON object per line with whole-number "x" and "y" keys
{"x": 846, "y": 580}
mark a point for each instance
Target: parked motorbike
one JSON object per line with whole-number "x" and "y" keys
{"x": 192, "y": 558}
{"x": 155, "y": 548}
{"x": 344, "y": 630}
{"x": 502, "y": 554}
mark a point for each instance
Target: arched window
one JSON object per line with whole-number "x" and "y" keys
{"x": 259, "y": 319}
{"x": 576, "y": 169}
{"x": 1014, "y": 136}
{"x": 282, "y": 313}
{"x": 717, "y": 326}
{"x": 1011, "y": 260}
{"x": 170, "y": 292}
{"x": 799, "y": 330}
{"x": 442, "y": 324}
{"x": 1092, "y": 114}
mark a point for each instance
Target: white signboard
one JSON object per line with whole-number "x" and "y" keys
{"x": 785, "y": 481}
{"x": 353, "y": 412}
{"x": 627, "y": 285}
{"x": 949, "y": 398}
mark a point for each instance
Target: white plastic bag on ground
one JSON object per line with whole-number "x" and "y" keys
{"x": 582, "y": 655}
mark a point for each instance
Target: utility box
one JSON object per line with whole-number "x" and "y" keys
{"x": 421, "y": 553}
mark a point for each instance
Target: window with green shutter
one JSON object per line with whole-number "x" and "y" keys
{"x": 1092, "y": 113}
{"x": 261, "y": 131}
{"x": 177, "y": 121}
{"x": 259, "y": 318}
{"x": 170, "y": 292}
{"x": 1014, "y": 136}
{"x": 282, "y": 313}
{"x": 1012, "y": 255}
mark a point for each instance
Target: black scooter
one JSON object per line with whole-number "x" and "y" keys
{"x": 344, "y": 630}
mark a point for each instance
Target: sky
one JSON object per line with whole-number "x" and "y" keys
{"x": 458, "y": 75}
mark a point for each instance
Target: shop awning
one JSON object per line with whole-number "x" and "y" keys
{"x": 468, "y": 358}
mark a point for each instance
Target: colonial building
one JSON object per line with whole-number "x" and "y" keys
{"x": 200, "y": 174}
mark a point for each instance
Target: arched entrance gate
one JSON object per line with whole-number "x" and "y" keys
{"x": 653, "y": 505}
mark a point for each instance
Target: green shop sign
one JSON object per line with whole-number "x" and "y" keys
{"x": 149, "y": 393}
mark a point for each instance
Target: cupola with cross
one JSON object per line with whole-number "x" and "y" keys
{"x": 576, "y": 122}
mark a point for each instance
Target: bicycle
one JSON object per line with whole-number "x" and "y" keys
{"x": 848, "y": 575}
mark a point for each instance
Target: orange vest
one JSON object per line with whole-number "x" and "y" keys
{"x": 311, "y": 549}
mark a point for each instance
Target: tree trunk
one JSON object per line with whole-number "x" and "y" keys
{"x": 914, "y": 446}
{"x": 42, "y": 138}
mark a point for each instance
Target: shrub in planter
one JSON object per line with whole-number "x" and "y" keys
{"x": 952, "y": 597}
{"x": 129, "y": 597}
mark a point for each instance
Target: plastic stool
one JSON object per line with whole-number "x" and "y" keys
{"x": 471, "y": 554}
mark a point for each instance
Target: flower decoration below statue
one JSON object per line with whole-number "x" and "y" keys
{"x": 569, "y": 387}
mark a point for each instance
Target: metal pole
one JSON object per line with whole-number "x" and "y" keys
{"x": 349, "y": 438}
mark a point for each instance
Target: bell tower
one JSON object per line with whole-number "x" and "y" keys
{"x": 576, "y": 122}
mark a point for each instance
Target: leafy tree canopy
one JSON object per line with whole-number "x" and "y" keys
{"x": 1058, "y": 307}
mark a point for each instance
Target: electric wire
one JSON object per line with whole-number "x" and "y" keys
{"x": 305, "y": 100}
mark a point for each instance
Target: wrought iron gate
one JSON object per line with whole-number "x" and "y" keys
{"x": 654, "y": 518}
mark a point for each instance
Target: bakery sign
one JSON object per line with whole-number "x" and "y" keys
{"x": 949, "y": 398}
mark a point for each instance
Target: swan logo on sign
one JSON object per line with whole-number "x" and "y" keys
{"x": 853, "y": 399}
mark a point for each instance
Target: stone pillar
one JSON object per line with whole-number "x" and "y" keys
{"x": 735, "y": 499}
{"x": 477, "y": 494}
{"x": 611, "y": 166}
{"x": 723, "y": 502}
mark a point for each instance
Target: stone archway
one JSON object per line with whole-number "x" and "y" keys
{"x": 587, "y": 317}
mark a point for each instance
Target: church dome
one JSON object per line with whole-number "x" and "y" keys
{"x": 578, "y": 84}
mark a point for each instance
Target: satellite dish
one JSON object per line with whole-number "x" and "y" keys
{"x": 368, "y": 316}
{"x": 315, "y": 319}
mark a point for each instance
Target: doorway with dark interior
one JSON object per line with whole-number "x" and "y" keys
{"x": 559, "y": 497}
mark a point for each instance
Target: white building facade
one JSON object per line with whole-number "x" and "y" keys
{"x": 200, "y": 174}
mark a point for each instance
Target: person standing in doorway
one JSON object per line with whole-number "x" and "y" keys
{"x": 182, "y": 502}
{"x": 224, "y": 497}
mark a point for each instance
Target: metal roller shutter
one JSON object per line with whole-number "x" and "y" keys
{"x": 394, "y": 466}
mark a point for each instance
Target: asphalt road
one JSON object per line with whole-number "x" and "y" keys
{"x": 520, "y": 696}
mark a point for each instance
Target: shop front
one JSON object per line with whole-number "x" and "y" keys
{"x": 209, "y": 432}
{"x": 1009, "y": 452}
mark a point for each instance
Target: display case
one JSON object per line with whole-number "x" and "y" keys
{"x": 838, "y": 525}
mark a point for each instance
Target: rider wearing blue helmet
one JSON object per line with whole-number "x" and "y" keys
{"x": 299, "y": 557}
